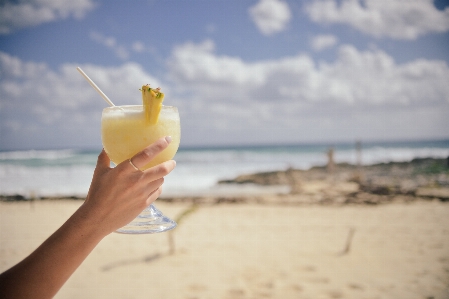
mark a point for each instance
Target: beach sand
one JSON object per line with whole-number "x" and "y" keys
{"x": 248, "y": 250}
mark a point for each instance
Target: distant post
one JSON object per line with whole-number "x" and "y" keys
{"x": 330, "y": 160}
{"x": 358, "y": 175}
{"x": 358, "y": 149}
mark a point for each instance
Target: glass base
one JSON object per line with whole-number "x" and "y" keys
{"x": 150, "y": 221}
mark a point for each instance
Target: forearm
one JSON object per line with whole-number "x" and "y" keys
{"x": 44, "y": 271}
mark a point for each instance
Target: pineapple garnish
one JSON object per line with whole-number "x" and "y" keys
{"x": 152, "y": 99}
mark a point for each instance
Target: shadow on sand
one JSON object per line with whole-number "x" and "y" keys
{"x": 156, "y": 256}
{"x": 145, "y": 259}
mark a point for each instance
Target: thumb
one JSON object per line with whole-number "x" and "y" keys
{"x": 103, "y": 162}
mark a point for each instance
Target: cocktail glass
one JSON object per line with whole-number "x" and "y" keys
{"x": 124, "y": 133}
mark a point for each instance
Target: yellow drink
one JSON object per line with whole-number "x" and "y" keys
{"x": 125, "y": 132}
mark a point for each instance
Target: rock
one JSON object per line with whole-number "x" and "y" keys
{"x": 441, "y": 193}
{"x": 15, "y": 197}
{"x": 371, "y": 184}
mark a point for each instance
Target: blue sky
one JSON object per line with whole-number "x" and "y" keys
{"x": 241, "y": 72}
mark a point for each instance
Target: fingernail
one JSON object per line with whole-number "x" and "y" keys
{"x": 168, "y": 139}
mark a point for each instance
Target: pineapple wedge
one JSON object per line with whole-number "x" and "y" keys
{"x": 152, "y": 99}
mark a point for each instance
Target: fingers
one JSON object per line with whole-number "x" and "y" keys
{"x": 145, "y": 156}
{"x": 160, "y": 170}
{"x": 146, "y": 184}
{"x": 153, "y": 196}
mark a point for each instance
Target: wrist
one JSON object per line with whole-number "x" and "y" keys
{"x": 87, "y": 225}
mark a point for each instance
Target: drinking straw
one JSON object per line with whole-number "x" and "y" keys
{"x": 105, "y": 97}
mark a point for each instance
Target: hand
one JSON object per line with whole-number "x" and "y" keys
{"x": 117, "y": 195}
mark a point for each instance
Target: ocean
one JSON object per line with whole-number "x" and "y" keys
{"x": 68, "y": 172}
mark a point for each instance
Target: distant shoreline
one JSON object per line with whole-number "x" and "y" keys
{"x": 376, "y": 142}
{"x": 419, "y": 179}
{"x": 325, "y": 144}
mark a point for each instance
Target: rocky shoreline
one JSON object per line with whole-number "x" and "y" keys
{"x": 419, "y": 179}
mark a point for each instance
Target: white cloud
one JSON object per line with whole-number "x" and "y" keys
{"x": 27, "y": 13}
{"x": 46, "y": 107}
{"x": 142, "y": 48}
{"x": 138, "y": 47}
{"x": 196, "y": 62}
{"x": 111, "y": 43}
{"x": 280, "y": 95}
{"x": 397, "y": 19}
{"x": 270, "y": 16}
{"x": 356, "y": 77}
{"x": 322, "y": 42}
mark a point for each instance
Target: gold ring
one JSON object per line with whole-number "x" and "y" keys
{"x": 134, "y": 166}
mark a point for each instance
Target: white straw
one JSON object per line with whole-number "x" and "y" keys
{"x": 105, "y": 97}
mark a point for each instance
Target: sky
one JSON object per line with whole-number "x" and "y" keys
{"x": 241, "y": 72}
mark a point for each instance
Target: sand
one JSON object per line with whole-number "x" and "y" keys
{"x": 397, "y": 250}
